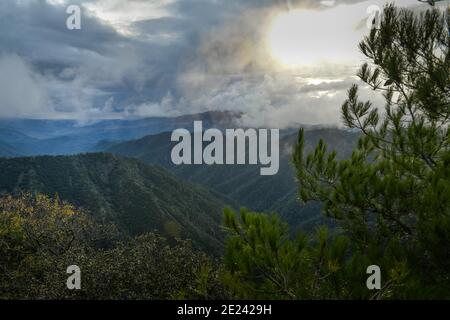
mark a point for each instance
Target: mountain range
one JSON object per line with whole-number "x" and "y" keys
{"x": 66, "y": 137}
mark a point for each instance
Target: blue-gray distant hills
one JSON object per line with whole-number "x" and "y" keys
{"x": 63, "y": 137}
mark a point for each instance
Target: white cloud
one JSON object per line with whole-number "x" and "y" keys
{"x": 21, "y": 92}
{"x": 122, "y": 14}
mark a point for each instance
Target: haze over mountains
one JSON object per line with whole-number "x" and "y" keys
{"x": 179, "y": 201}
{"x": 61, "y": 137}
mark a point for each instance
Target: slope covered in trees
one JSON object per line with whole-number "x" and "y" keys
{"x": 243, "y": 183}
{"x": 139, "y": 198}
{"x": 41, "y": 237}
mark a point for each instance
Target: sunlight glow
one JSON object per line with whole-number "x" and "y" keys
{"x": 304, "y": 37}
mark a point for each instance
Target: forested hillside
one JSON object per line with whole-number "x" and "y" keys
{"x": 138, "y": 198}
{"x": 41, "y": 236}
{"x": 243, "y": 183}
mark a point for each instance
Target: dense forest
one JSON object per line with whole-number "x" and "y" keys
{"x": 242, "y": 183}
{"x": 137, "y": 198}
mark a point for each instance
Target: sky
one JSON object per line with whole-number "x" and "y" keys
{"x": 279, "y": 62}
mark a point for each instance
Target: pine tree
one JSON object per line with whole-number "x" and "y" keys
{"x": 395, "y": 187}
{"x": 391, "y": 197}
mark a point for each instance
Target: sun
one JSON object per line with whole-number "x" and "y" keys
{"x": 303, "y": 37}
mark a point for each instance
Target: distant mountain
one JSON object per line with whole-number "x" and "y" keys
{"x": 243, "y": 183}
{"x": 137, "y": 197}
{"x": 64, "y": 137}
{"x": 7, "y": 150}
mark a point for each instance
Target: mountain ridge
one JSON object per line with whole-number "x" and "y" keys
{"x": 243, "y": 183}
{"x": 139, "y": 198}
{"x": 33, "y": 137}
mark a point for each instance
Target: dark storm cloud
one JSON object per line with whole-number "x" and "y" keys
{"x": 37, "y": 30}
{"x": 99, "y": 72}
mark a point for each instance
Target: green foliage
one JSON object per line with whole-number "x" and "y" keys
{"x": 137, "y": 198}
{"x": 391, "y": 196}
{"x": 261, "y": 260}
{"x": 41, "y": 237}
{"x": 264, "y": 262}
{"x": 243, "y": 184}
{"x": 397, "y": 181}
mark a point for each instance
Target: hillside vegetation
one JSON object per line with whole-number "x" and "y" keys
{"x": 243, "y": 183}
{"x": 138, "y": 198}
{"x": 41, "y": 237}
